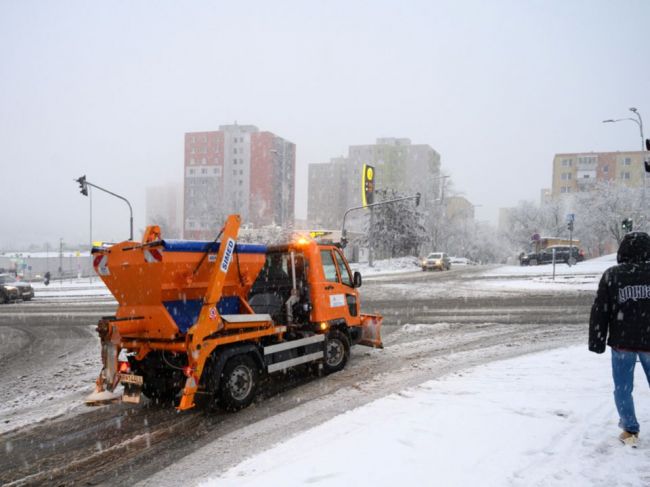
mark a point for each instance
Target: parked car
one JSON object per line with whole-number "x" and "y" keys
{"x": 436, "y": 260}
{"x": 545, "y": 256}
{"x": 12, "y": 290}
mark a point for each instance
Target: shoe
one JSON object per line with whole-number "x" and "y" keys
{"x": 629, "y": 439}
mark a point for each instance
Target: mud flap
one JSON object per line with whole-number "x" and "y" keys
{"x": 132, "y": 388}
{"x": 371, "y": 331}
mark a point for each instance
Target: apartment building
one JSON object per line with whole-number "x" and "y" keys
{"x": 237, "y": 169}
{"x": 578, "y": 172}
{"x": 399, "y": 165}
{"x": 458, "y": 208}
{"x": 163, "y": 205}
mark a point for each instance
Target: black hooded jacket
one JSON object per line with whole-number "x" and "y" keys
{"x": 622, "y": 305}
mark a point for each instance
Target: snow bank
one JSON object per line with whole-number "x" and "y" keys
{"x": 71, "y": 288}
{"x": 591, "y": 266}
{"x": 387, "y": 266}
{"x": 543, "y": 419}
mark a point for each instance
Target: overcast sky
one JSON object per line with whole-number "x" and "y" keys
{"x": 108, "y": 89}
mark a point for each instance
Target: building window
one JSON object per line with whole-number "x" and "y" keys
{"x": 566, "y": 175}
{"x": 627, "y": 161}
{"x": 204, "y": 171}
{"x": 586, "y": 176}
{"x": 587, "y": 160}
{"x": 191, "y": 171}
{"x": 234, "y": 150}
{"x": 625, "y": 175}
{"x": 605, "y": 169}
{"x": 566, "y": 162}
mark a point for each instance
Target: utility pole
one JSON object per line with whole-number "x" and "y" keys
{"x": 61, "y": 257}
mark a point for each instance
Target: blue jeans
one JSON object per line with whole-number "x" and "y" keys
{"x": 623, "y": 363}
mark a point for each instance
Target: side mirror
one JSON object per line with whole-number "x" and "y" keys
{"x": 647, "y": 144}
{"x": 357, "y": 279}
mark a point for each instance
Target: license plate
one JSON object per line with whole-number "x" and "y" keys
{"x": 131, "y": 379}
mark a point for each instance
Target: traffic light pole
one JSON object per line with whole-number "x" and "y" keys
{"x": 344, "y": 239}
{"x": 83, "y": 183}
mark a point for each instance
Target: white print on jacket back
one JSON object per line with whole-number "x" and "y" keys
{"x": 641, "y": 291}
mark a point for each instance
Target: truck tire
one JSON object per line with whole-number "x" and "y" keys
{"x": 239, "y": 381}
{"x": 337, "y": 352}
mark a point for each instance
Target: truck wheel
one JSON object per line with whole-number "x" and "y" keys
{"x": 337, "y": 351}
{"x": 3, "y": 298}
{"x": 239, "y": 381}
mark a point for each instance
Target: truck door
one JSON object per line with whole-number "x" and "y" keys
{"x": 341, "y": 297}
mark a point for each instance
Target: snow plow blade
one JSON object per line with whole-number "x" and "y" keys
{"x": 371, "y": 331}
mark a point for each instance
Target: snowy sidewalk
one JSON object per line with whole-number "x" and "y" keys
{"x": 540, "y": 420}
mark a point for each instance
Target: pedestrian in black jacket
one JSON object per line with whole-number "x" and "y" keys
{"x": 622, "y": 311}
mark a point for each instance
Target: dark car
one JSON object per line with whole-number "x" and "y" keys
{"x": 545, "y": 256}
{"x": 12, "y": 290}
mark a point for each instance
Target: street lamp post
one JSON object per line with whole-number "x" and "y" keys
{"x": 638, "y": 121}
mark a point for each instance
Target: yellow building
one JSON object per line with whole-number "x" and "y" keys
{"x": 580, "y": 171}
{"x": 458, "y": 208}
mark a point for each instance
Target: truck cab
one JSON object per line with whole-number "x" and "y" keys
{"x": 306, "y": 284}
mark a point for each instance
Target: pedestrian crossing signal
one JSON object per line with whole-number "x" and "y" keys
{"x": 368, "y": 185}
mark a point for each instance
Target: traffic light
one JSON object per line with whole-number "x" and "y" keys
{"x": 368, "y": 185}
{"x": 83, "y": 187}
{"x": 627, "y": 225}
{"x": 570, "y": 226}
{"x": 417, "y": 199}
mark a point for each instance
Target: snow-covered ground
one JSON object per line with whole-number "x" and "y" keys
{"x": 92, "y": 286}
{"x": 582, "y": 276}
{"x": 387, "y": 266}
{"x": 540, "y": 420}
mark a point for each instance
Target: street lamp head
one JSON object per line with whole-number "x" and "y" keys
{"x": 609, "y": 121}
{"x": 632, "y": 109}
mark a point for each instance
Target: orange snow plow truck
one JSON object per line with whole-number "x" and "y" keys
{"x": 208, "y": 319}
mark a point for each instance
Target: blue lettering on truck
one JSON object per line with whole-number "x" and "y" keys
{"x": 227, "y": 255}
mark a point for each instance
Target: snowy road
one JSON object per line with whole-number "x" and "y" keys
{"x": 435, "y": 324}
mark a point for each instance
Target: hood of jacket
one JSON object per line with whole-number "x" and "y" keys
{"x": 634, "y": 248}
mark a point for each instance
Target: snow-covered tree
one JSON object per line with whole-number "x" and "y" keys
{"x": 397, "y": 228}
